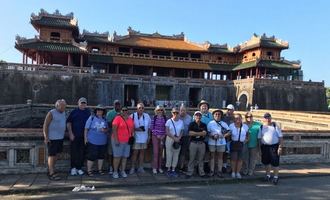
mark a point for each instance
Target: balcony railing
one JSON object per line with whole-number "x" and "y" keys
{"x": 161, "y": 57}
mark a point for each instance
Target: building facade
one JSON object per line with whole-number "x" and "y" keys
{"x": 159, "y": 68}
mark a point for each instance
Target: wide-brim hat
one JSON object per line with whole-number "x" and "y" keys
{"x": 99, "y": 107}
{"x": 203, "y": 102}
{"x": 217, "y": 110}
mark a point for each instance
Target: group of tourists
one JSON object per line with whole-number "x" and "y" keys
{"x": 181, "y": 143}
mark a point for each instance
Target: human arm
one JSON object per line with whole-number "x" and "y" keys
{"x": 47, "y": 121}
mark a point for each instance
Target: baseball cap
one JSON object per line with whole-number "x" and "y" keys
{"x": 82, "y": 100}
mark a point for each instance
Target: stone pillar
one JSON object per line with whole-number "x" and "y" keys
{"x": 150, "y": 53}
{"x": 117, "y": 69}
{"x": 23, "y": 58}
{"x": 265, "y": 72}
{"x": 81, "y": 61}
{"x": 69, "y": 59}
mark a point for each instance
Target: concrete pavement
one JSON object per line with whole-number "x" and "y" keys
{"x": 36, "y": 183}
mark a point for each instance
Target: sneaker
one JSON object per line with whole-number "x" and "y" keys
{"x": 267, "y": 178}
{"x": 220, "y": 174}
{"x": 275, "y": 181}
{"x": 250, "y": 173}
{"x": 80, "y": 172}
{"x": 110, "y": 171}
{"x": 211, "y": 173}
{"x": 174, "y": 174}
{"x": 160, "y": 170}
{"x": 140, "y": 170}
{"x": 224, "y": 170}
{"x": 132, "y": 171}
{"x": 233, "y": 175}
{"x": 123, "y": 174}
{"x": 115, "y": 175}
{"x": 154, "y": 171}
{"x": 238, "y": 175}
{"x": 74, "y": 172}
{"x": 168, "y": 174}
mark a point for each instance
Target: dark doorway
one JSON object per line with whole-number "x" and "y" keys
{"x": 131, "y": 94}
{"x": 242, "y": 102}
{"x": 163, "y": 92}
{"x": 194, "y": 96}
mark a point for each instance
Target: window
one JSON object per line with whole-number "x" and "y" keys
{"x": 220, "y": 58}
{"x": 269, "y": 53}
{"x": 253, "y": 54}
{"x": 55, "y": 36}
{"x": 23, "y": 156}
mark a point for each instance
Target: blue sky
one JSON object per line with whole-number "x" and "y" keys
{"x": 305, "y": 24}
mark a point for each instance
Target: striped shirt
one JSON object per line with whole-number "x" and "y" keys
{"x": 158, "y": 125}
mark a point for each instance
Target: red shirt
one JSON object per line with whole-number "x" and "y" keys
{"x": 123, "y": 131}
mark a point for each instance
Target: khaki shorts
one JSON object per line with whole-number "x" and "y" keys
{"x": 138, "y": 146}
{"x": 219, "y": 148}
{"x": 109, "y": 147}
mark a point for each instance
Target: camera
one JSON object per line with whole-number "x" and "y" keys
{"x": 142, "y": 128}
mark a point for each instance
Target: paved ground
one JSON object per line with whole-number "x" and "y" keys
{"x": 312, "y": 178}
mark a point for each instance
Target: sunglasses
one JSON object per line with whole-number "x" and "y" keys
{"x": 175, "y": 113}
{"x": 124, "y": 110}
{"x": 141, "y": 108}
{"x": 160, "y": 110}
{"x": 248, "y": 116}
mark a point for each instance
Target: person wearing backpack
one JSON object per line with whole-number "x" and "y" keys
{"x": 271, "y": 141}
{"x": 158, "y": 137}
{"x": 96, "y": 138}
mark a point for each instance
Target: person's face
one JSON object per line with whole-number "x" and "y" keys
{"x": 61, "y": 107}
{"x": 99, "y": 113}
{"x": 238, "y": 120}
{"x": 117, "y": 107}
{"x": 204, "y": 108}
{"x": 82, "y": 105}
{"x": 217, "y": 116}
{"x": 160, "y": 111}
{"x": 175, "y": 114}
{"x": 198, "y": 117}
{"x": 140, "y": 109}
{"x": 230, "y": 111}
{"x": 124, "y": 112}
{"x": 268, "y": 120}
{"x": 183, "y": 112}
{"x": 249, "y": 118}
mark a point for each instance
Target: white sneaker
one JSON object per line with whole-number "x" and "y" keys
{"x": 110, "y": 171}
{"x": 154, "y": 171}
{"x": 80, "y": 172}
{"x": 233, "y": 175}
{"x": 238, "y": 175}
{"x": 160, "y": 170}
{"x": 140, "y": 170}
{"x": 73, "y": 172}
{"x": 123, "y": 174}
{"x": 132, "y": 171}
{"x": 115, "y": 175}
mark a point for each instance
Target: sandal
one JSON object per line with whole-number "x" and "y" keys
{"x": 54, "y": 177}
{"x": 90, "y": 173}
{"x": 101, "y": 172}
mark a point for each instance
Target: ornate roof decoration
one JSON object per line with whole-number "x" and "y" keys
{"x": 96, "y": 37}
{"x": 55, "y": 19}
{"x": 132, "y": 32}
{"x": 262, "y": 41}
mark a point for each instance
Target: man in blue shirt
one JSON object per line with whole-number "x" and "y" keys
{"x": 75, "y": 125}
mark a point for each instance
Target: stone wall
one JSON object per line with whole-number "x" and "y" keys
{"x": 23, "y": 150}
{"x": 19, "y": 84}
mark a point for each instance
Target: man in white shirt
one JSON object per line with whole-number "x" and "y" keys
{"x": 271, "y": 141}
{"x": 217, "y": 131}
{"x": 142, "y": 123}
